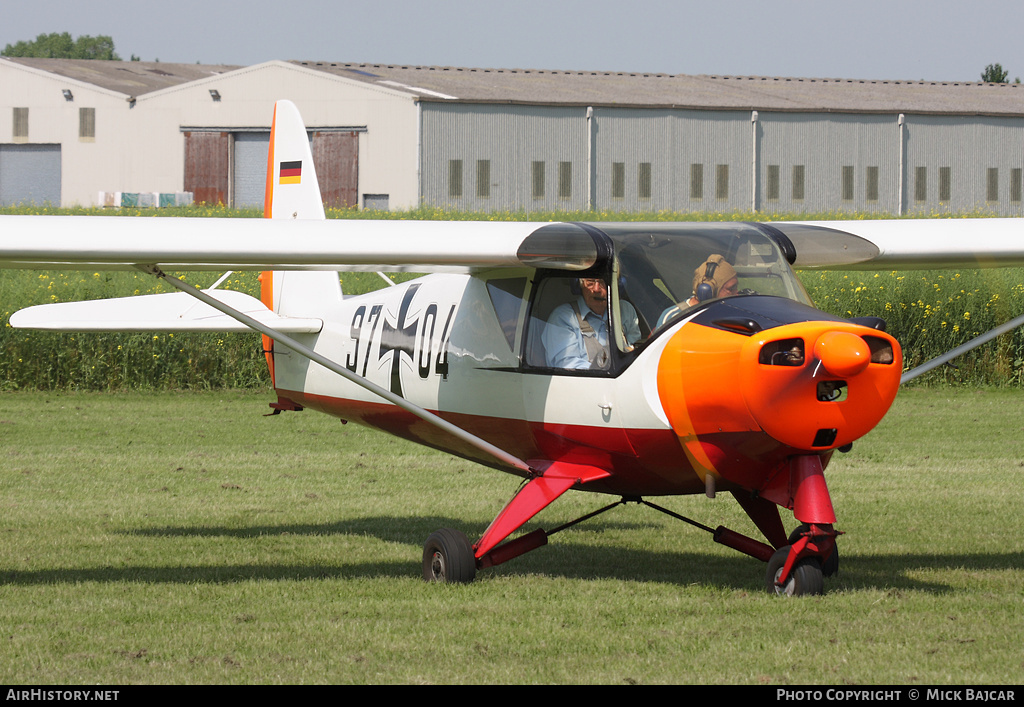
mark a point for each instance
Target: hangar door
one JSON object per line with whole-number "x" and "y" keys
{"x": 29, "y": 174}
{"x": 250, "y": 169}
{"x": 336, "y": 156}
{"x": 207, "y": 159}
{"x": 230, "y": 167}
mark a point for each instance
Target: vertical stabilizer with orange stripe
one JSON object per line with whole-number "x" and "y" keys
{"x": 293, "y": 193}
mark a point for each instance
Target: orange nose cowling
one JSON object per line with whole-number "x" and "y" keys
{"x": 697, "y": 388}
{"x": 714, "y": 381}
{"x": 805, "y": 406}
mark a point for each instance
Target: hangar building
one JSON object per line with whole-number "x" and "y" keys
{"x": 394, "y": 137}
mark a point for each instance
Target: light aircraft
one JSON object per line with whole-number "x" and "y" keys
{"x": 691, "y": 393}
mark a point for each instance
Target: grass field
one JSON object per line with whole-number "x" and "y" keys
{"x": 183, "y": 538}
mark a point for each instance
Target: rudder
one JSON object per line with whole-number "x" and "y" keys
{"x": 293, "y": 192}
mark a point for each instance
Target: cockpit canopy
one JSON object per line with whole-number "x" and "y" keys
{"x": 648, "y": 271}
{"x": 656, "y": 269}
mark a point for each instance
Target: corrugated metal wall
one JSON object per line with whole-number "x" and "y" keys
{"x": 975, "y": 160}
{"x": 817, "y": 162}
{"x": 495, "y": 157}
{"x": 492, "y": 158}
{"x": 696, "y": 160}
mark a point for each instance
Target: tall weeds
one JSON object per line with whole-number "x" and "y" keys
{"x": 929, "y": 312}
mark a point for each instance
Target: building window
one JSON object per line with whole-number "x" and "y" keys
{"x": 618, "y": 180}
{"x": 643, "y": 180}
{"x": 376, "y": 202}
{"x": 798, "y": 182}
{"x": 920, "y": 183}
{"x": 483, "y": 178}
{"x": 537, "y": 179}
{"x": 20, "y": 124}
{"x": 1015, "y": 184}
{"x": 945, "y": 183}
{"x": 696, "y": 181}
{"x": 992, "y": 184}
{"x": 722, "y": 181}
{"x": 847, "y": 183}
{"x": 565, "y": 180}
{"x": 771, "y": 186}
{"x": 454, "y": 178}
{"x": 871, "y": 183}
{"x": 87, "y": 124}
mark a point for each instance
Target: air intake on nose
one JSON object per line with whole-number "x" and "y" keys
{"x": 786, "y": 352}
{"x": 825, "y": 437}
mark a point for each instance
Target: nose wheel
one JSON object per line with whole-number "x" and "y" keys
{"x": 799, "y": 568}
{"x": 829, "y": 565}
{"x": 804, "y": 578}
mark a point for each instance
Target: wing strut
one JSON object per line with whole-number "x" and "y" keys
{"x": 962, "y": 349}
{"x": 483, "y": 445}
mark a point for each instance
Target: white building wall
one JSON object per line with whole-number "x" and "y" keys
{"x": 140, "y": 147}
{"x": 387, "y": 149}
{"x": 86, "y": 164}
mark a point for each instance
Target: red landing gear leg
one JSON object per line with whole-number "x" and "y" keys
{"x": 448, "y": 555}
{"x": 798, "y": 568}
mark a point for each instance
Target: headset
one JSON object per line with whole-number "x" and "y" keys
{"x": 704, "y": 290}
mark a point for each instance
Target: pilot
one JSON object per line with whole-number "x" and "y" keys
{"x": 713, "y": 278}
{"x": 576, "y": 335}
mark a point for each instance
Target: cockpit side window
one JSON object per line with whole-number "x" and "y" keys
{"x": 572, "y": 326}
{"x": 507, "y": 298}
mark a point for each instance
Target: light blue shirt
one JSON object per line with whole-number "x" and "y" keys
{"x": 563, "y": 341}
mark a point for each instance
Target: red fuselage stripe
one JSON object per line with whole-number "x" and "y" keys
{"x": 660, "y": 468}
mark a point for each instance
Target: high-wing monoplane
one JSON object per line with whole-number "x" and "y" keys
{"x": 634, "y": 360}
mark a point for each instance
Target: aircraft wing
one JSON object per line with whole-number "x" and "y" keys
{"x": 119, "y": 242}
{"x": 900, "y": 244}
{"x": 170, "y": 312}
{"x": 122, "y": 242}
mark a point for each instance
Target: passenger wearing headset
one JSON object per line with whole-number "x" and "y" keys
{"x": 576, "y": 335}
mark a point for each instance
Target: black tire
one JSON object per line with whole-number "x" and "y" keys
{"x": 830, "y": 566}
{"x": 448, "y": 557}
{"x": 804, "y": 580}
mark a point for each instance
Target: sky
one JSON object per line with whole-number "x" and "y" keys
{"x": 935, "y": 40}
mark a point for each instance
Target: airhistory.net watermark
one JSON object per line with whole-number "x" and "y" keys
{"x": 53, "y": 695}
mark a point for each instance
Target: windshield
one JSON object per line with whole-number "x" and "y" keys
{"x": 666, "y": 271}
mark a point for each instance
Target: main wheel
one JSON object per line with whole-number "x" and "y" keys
{"x": 805, "y": 579}
{"x": 448, "y": 557}
{"x": 830, "y": 566}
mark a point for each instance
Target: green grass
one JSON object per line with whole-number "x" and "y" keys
{"x": 185, "y": 538}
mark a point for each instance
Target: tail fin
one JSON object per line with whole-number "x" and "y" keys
{"x": 293, "y": 192}
{"x": 292, "y": 187}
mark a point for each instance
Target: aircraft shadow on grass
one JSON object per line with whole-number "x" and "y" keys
{"x": 562, "y": 558}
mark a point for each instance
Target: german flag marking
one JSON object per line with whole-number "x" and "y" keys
{"x": 291, "y": 172}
